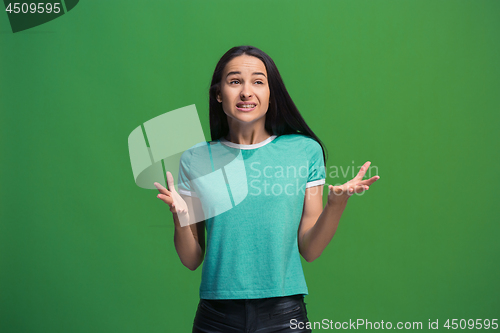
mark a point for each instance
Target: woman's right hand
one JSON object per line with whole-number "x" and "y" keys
{"x": 172, "y": 198}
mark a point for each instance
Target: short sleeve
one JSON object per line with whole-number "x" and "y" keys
{"x": 184, "y": 180}
{"x": 316, "y": 164}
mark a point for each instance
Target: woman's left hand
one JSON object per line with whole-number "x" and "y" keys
{"x": 340, "y": 194}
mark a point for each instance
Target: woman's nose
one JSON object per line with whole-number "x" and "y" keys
{"x": 246, "y": 91}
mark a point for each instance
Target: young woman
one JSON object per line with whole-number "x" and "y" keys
{"x": 272, "y": 168}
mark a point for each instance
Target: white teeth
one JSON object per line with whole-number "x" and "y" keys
{"x": 247, "y": 106}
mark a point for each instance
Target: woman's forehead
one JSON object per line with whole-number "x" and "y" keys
{"x": 245, "y": 64}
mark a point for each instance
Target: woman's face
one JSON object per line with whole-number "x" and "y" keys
{"x": 245, "y": 91}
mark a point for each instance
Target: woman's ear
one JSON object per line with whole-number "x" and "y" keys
{"x": 219, "y": 99}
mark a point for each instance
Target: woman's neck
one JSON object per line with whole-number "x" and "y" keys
{"x": 247, "y": 136}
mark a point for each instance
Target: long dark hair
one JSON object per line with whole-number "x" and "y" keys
{"x": 282, "y": 116}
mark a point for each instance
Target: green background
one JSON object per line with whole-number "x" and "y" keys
{"x": 412, "y": 86}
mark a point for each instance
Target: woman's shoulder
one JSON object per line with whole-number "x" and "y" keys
{"x": 300, "y": 144}
{"x": 297, "y": 138}
{"x": 205, "y": 151}
{"x": 194, "y": 150}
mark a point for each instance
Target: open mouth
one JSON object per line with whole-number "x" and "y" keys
{"x": 246, "y": 106}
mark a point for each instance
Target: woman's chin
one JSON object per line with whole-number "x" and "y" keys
{"x": 248, "y": 119}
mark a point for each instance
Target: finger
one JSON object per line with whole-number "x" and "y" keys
{"x": 368, "y": 181}
{"x": 166, "y": 199}
{"x": 361, "y": 188}
{"x": 362, "y": 170}
{"x": 162, "y": 189}
{"x": 170, "y": 181}
{"x": 178, "y": 210}
{"x": 181, "y": 211}
{"x": 339, "y": 190}
{"x": 348, "y": 189}
{"x": 356, "y": 189}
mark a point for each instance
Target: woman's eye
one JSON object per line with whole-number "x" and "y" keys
{"x": 231, "y": 82}
{"x": 259, "y": 82}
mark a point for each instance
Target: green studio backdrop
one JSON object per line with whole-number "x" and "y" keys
{"x": 412, "y": 86}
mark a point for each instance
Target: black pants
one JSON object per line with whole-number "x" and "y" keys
{"x": 262, "y": 315}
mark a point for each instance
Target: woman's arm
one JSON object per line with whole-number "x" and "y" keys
{"x": 318, "y": 225}
{"x": 190, "y": 240}
{"x": 189, "y": 235}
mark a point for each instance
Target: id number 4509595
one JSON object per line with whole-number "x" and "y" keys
{"x": 471, "y": 324}
{"x": 32, "y": 8}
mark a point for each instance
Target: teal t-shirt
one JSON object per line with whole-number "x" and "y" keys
{"x": 252, "y": 197}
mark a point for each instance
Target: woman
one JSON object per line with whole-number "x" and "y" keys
{"x": 252, "y": 278}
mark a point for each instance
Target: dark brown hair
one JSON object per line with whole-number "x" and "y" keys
{"x": 282, "y": 117}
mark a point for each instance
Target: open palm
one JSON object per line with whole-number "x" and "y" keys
{"x": 341, "y": 193}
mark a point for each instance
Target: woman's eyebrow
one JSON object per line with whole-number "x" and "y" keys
{"x": 254, "y": 73}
